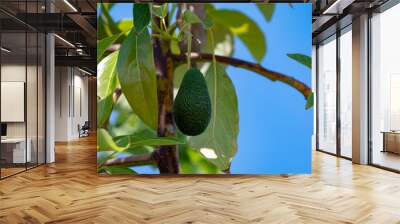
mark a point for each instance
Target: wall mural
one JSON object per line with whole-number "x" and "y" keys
{"x": 204, "y": 88}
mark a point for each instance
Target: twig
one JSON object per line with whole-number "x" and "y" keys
{"x": 113, "y": 47}
{"x": 116, "y": 95}
{"x": 272, "y": 75}
{"x": 133, "y": 160}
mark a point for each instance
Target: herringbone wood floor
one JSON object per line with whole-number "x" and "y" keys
{"x": 70, "y": 191}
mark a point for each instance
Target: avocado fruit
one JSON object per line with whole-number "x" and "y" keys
{"x": 192, "y": 106}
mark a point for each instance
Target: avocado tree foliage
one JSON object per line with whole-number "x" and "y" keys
{"x": 141, "y": 63}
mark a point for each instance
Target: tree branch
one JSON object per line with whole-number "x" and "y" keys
{"x": 272, "y": 75}
{"x": 167, "y": 157}
{"x": 132, "y": 160}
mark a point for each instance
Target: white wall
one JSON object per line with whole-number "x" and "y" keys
{"x": 33, "y": 126}
{"x": 61, "y": 103}
{"x": 80, "y": 102}
{"x": 15, "y": 73}
{"x": 13, "y": 100}
{"x": 71, "y": 102}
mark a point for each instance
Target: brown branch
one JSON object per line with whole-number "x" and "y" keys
{"x": 179, "y": 15}
{"x": 197, "y": 30}
{"x": 116, "y": 95}
{"x": 272, "y": 75}
{"x": 130, "y": 160}
{"x": 167, "y": 157}
{"x": 113, "y": 47}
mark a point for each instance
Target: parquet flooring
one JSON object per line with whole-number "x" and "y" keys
{"x": 70, "y": 191}
{"x": 10, "y": 171}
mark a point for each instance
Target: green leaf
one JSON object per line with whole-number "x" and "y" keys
{"x": 191, "y": 18}
{"x": 125, "y": 25}
{"x": 310, "y": 101}
{"x": 137, "y": 76}
{"x": 125, "y": 121}
{"x": 223, "y": 41}
{"x": 105, "y": 24}
{"x": 160, "y": 10}
{"x": 191, "y": 161}
{"x": 302, "y": 59}
{"x": 174, "y": 46}
{"x": 139, "y": 150}
{"x": 103, "y": 156}
{"x": 218, "y": 143}
{"x": 174, "y": 7}
{"x": 179, "y": 72}
{"x": 103, "y": 44}
{"x": 135, "y": 144}
{"x": 105, "y": 142}
{"x": 180, "y": 36}
{"x": 146, "y": 138}
{"x": 104, "y": 109}
{"x": 165, "y": 10}
{"x": 107, "y": 6}
{"x": 209, "y": 7}
{"x": 157, "y": 10}
{"x": 118, "y": 170}
{"x": 106, "y": 75}
{"x": 267, "y": 9}
{"x": 208, "y": 23}
{"x": 245, "y": 28}
{"x": 141, "y": 16}
{"x": 107, "y": 82}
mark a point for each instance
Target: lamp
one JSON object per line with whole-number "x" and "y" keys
{"x": 84, "y": 71}
{"x": 65, "y": 41}
{"x": 5, "y": 50}
{"x": 70, "y": 5}
{"x": 337, "y": 7}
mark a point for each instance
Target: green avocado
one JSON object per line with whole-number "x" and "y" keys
{"x": 192, "y": 106}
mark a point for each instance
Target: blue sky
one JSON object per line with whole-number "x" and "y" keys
{"x": 275, "y": 129}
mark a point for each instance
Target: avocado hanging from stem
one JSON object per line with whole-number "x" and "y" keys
{"x": 192, "y": 106}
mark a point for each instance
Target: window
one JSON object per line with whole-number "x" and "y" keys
{"x": 22, "y": 77}
{"x": 385, "y": 89}
{"x": 346, "y": 95}
{"x": 327, "y": 95}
